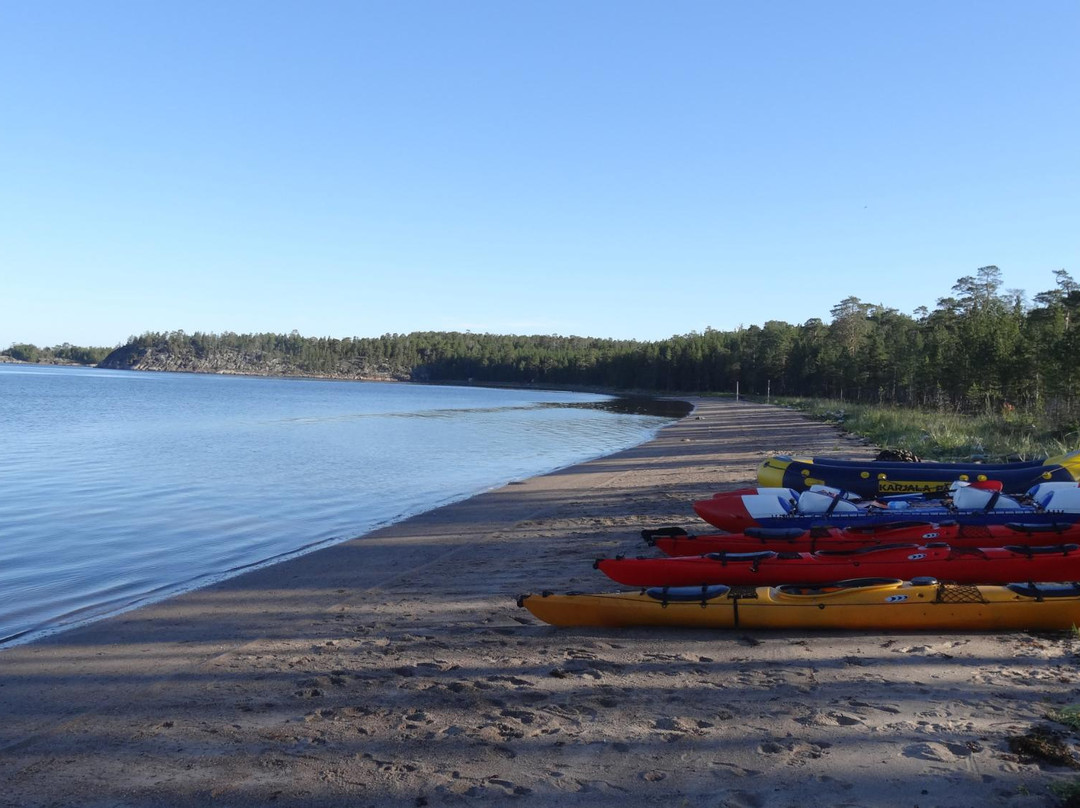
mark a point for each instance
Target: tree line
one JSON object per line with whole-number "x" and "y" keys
{"x": 982, "y": 349}
{"x": 65, "y": 354}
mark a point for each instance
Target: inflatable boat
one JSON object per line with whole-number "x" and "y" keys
{"x": 871, "y": 478}
{"x": 1046, "y": 503}
{"x": 989, "y": 565}
{"x": 866, "y": 605}
{"x": 676, "y": 541}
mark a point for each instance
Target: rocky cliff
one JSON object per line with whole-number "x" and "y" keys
{"x": 232, "y": 361}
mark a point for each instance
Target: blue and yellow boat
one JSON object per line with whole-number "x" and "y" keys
{"x": 873, "y": 478}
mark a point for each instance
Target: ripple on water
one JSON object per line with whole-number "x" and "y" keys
{"x": 125, "y": 487}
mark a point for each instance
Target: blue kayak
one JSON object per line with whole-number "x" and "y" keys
{"x": 873, "y": 478}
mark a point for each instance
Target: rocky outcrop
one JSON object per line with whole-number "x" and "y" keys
{"x": 232, "y": 361}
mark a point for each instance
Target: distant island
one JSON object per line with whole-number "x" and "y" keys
{"x": 60, "y": 355}
{"x": 982, "y": 350}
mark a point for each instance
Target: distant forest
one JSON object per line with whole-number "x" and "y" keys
{"x": 60, "y": 354}
{"x": 983, "y": 349}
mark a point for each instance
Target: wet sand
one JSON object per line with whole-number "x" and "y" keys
{"x": 397, "y": 670}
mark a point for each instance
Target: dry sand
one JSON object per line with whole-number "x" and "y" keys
{"x": 396, "y": 670}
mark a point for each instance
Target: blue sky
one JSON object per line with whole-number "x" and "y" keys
{"x": 612, "y": 169}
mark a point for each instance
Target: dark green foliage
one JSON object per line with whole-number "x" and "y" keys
{"x": 81, "y": 356}
{"x": 65, "y": 354}
{"x": 24, "y": 353}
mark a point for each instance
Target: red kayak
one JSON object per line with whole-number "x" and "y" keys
{"x": 675, "y": 541}
{"x": 988, "y": 565}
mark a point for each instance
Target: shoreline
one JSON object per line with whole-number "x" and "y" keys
{"x": 617, "y": 393}
{"x": 395, "y": 669}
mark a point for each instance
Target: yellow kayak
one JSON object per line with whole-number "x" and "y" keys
{"x": 863, "y": 604}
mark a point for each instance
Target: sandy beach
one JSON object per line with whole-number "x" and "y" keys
{"x": 397, "y": 670}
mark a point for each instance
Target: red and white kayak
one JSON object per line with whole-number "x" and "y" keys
{"x": 1048, "y": 503}
{"x": 989, "y": 565}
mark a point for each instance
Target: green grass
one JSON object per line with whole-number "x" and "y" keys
{"x": 944, "y": 435}
{"x": 1068, "y": 715}
{"x": 1068, "y": 792}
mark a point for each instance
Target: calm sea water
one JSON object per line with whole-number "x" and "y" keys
{"x": 117, "y": 488}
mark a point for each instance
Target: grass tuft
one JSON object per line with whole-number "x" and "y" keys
{"x": 1068, "y": 715}
{"x": 1068, "y": 792}
{"x": 943, "y": 436}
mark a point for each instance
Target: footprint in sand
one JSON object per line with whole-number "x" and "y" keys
{"x": 579, "y": 667}
{"x": 743, "y": 799}
{"x": 831, "y": 718}
{"x": 797, "y": 752}
{"x": 773, "y": 748}
{"x": 517, "y": 681}
{"x": 865, "y": 705}
{"x": 941, "y": 752}
{"x": 522, "y": 716}
{"x": 676, "y": 727}
{"x": 580, "y": 653}
{"x": 857, "y": 661}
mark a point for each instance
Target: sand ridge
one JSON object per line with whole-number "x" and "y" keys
{"x": 397, "y": 670}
